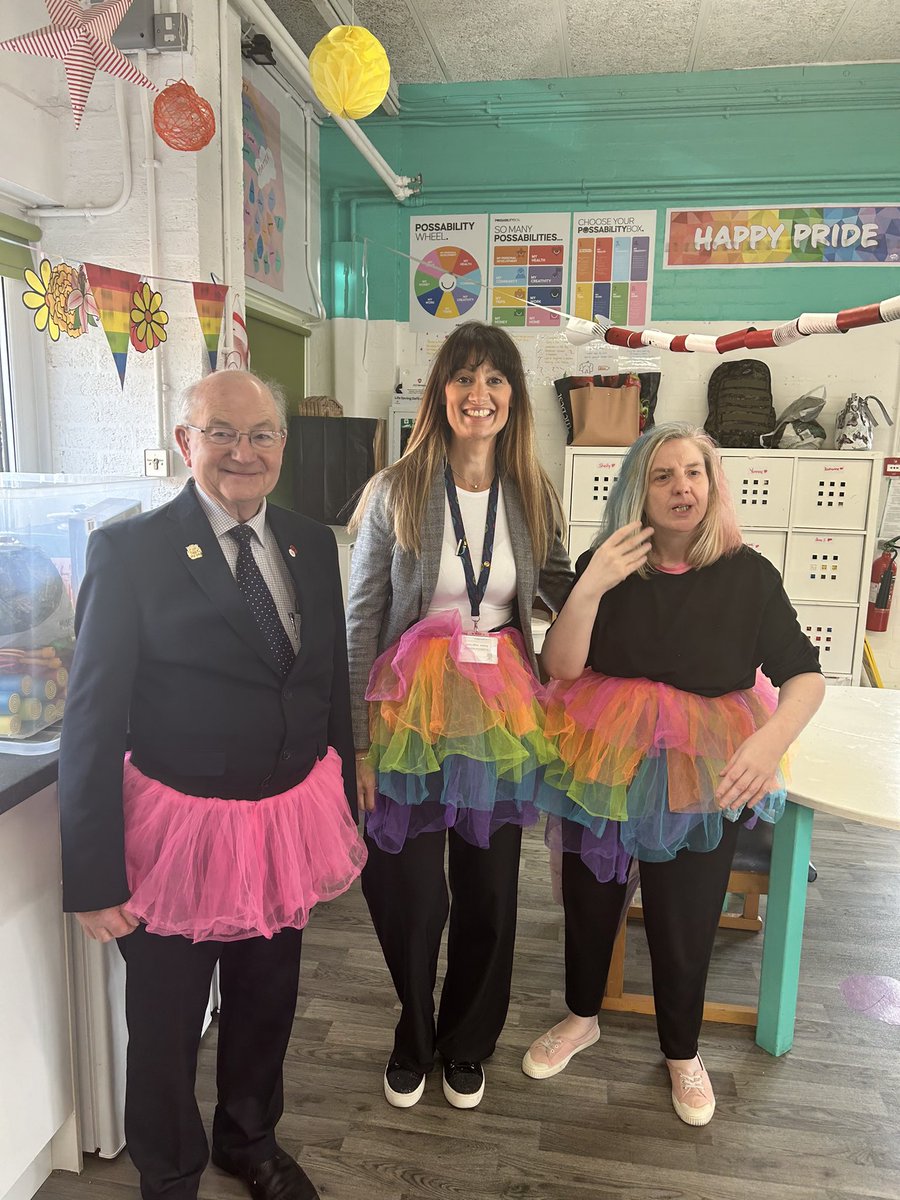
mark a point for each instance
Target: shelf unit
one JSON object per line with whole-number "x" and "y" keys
{"x": 812, "y": 513}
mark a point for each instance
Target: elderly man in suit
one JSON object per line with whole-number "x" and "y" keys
{"x": 210, "y": 645}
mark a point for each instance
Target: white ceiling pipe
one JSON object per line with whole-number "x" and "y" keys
{"x": 293, "y": 58}
{"x": 42, "y": 211}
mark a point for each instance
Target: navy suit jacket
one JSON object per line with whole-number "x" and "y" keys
{"x": 170, "y": 661}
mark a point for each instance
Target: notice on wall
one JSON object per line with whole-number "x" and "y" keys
{"x": 613, "y": 275}
{"x": 890, "y": 517}
{"x": 446, "y": 277}
{"x": 827, "y": 235}
{"x": 529, "y": 270}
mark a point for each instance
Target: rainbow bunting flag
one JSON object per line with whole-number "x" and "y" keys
{"x": 112, "y": 292}
{"x": 209, "y": 301}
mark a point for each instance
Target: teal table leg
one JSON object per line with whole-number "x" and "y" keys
{"x": 783, "y": 937}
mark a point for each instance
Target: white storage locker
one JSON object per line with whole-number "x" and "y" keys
{"x": 769, "y": 543}
{"x": 592, "y": 478}
{"x": 760, "y": 488}
{"x": 824, "y": 566}
{"x": 580, "y": 538}
{"x": 832, "y": 493}
{"x": 832, "y": 630}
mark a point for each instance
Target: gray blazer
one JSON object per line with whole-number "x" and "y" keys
{"x": 391, "y": 589}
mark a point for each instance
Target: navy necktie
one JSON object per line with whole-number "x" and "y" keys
{"x": 262, "y": 605}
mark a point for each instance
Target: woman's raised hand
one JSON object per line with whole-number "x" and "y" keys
{"x": 623, "y": 553}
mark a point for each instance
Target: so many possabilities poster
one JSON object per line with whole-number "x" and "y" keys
{"x": 529, "y": 270}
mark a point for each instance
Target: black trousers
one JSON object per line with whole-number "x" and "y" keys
{"x": 682, "y": 901}
{"x": 166, "y": 992}
{"x": 408, "y": 899}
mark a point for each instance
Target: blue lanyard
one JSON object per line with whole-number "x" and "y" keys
{"x": 475, "y": 590}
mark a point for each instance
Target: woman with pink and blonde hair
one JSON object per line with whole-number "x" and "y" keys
{"x": 667, "y": 737}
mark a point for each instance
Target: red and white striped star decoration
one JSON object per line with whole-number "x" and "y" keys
{"x": 81, "y": 39}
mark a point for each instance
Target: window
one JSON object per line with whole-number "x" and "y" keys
{"x": 7, "y": 455}
{"x": 24, "y": 429}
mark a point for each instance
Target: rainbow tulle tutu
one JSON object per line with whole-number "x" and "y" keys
{"x": 637, "y": 767}
{"x": 455, "y": 744}
{"x": 210, "y": 869}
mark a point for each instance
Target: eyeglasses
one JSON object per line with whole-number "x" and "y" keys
{"x": 259, "y": 439}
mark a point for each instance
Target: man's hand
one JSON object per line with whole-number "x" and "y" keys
{"x": 105, "y": 924}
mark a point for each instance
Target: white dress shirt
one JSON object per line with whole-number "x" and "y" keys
{"x": 266, "y": 554}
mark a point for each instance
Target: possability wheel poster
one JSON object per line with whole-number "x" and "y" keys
{"x": 446, "y": 272}
{"x": 529, "y": 270}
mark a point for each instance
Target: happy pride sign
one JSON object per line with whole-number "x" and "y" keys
{"x": 860, "y": 235}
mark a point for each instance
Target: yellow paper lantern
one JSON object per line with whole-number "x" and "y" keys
{"x": 350, "y": 71}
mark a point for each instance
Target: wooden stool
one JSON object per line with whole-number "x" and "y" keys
{"x": 749, "y": 878}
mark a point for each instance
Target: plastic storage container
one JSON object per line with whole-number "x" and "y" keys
{"x": 45, "y": 523}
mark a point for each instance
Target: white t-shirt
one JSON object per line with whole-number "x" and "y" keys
{"x": 450, "y": 591}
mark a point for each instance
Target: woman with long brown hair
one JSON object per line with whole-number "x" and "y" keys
{"x": 454, "y": 541}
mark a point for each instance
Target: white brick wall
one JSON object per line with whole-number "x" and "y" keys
{"x": 97, "y": 427}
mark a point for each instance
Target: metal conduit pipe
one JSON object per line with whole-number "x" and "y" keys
{"x": 41, "y": 212}
{"x": 555, "y": 103}
{"x": 150, "y": 167}
{"x": 225, "y": 169}
{"x": 311, "y": 271}
{"x": 401, "y": 186}
{"x": 623, "y": 190}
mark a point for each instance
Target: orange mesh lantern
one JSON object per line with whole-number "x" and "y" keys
{"x": 183, "y": 120}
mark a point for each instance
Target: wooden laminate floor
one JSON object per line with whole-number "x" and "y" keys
{"x": 821, "y": 1123}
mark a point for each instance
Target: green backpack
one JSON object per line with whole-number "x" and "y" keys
{"x": 739, "y": 395}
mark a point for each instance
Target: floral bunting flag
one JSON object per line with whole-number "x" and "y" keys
{"x": 148, "y": 319}
{"x": 70, "y": 299}
{"x": 49, "y": 290}
{"x": 81, "y": 303}
{"x": 113, "y": 291}
{"x": 209, "y": 301}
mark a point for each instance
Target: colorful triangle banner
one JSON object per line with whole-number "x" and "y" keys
{"x": 238, "y": 357}
{"x": 113, "y": 290}
{"x": 209, "y": 301}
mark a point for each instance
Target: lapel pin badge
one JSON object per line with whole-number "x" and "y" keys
{"x": 194, "y": 551}
{"x": 292, "y": 551}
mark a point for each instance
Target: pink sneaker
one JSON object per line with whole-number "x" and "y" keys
{"x": 692, "y": 1094}
{"x": 553, "y": 1052}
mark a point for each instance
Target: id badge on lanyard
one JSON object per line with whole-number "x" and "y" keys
{"x": 478, "y": 646}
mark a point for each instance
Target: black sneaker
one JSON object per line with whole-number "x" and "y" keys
{"x": 402, "y": 1088}
{"x": 463, "y": 1083}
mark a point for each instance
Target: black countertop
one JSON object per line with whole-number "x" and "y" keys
{"x": 21, "y": 775}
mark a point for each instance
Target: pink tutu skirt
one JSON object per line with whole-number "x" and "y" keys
{"x": 224, "y": 870}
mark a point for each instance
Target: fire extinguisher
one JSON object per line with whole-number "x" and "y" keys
{"x": 881, "y": 588}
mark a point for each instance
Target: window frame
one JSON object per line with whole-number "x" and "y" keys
{"x": 23, "y": 384}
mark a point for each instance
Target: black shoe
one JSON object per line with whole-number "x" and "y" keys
{"x": 402, "y": 1088}
{"x": 463, "y": 1083}
{"x": 278, "y": 1178}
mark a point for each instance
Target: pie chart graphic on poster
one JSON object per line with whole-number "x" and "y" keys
{"x": 447, "y": 282}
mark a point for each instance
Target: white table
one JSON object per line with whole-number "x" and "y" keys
{"x": 847, "y": 763}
